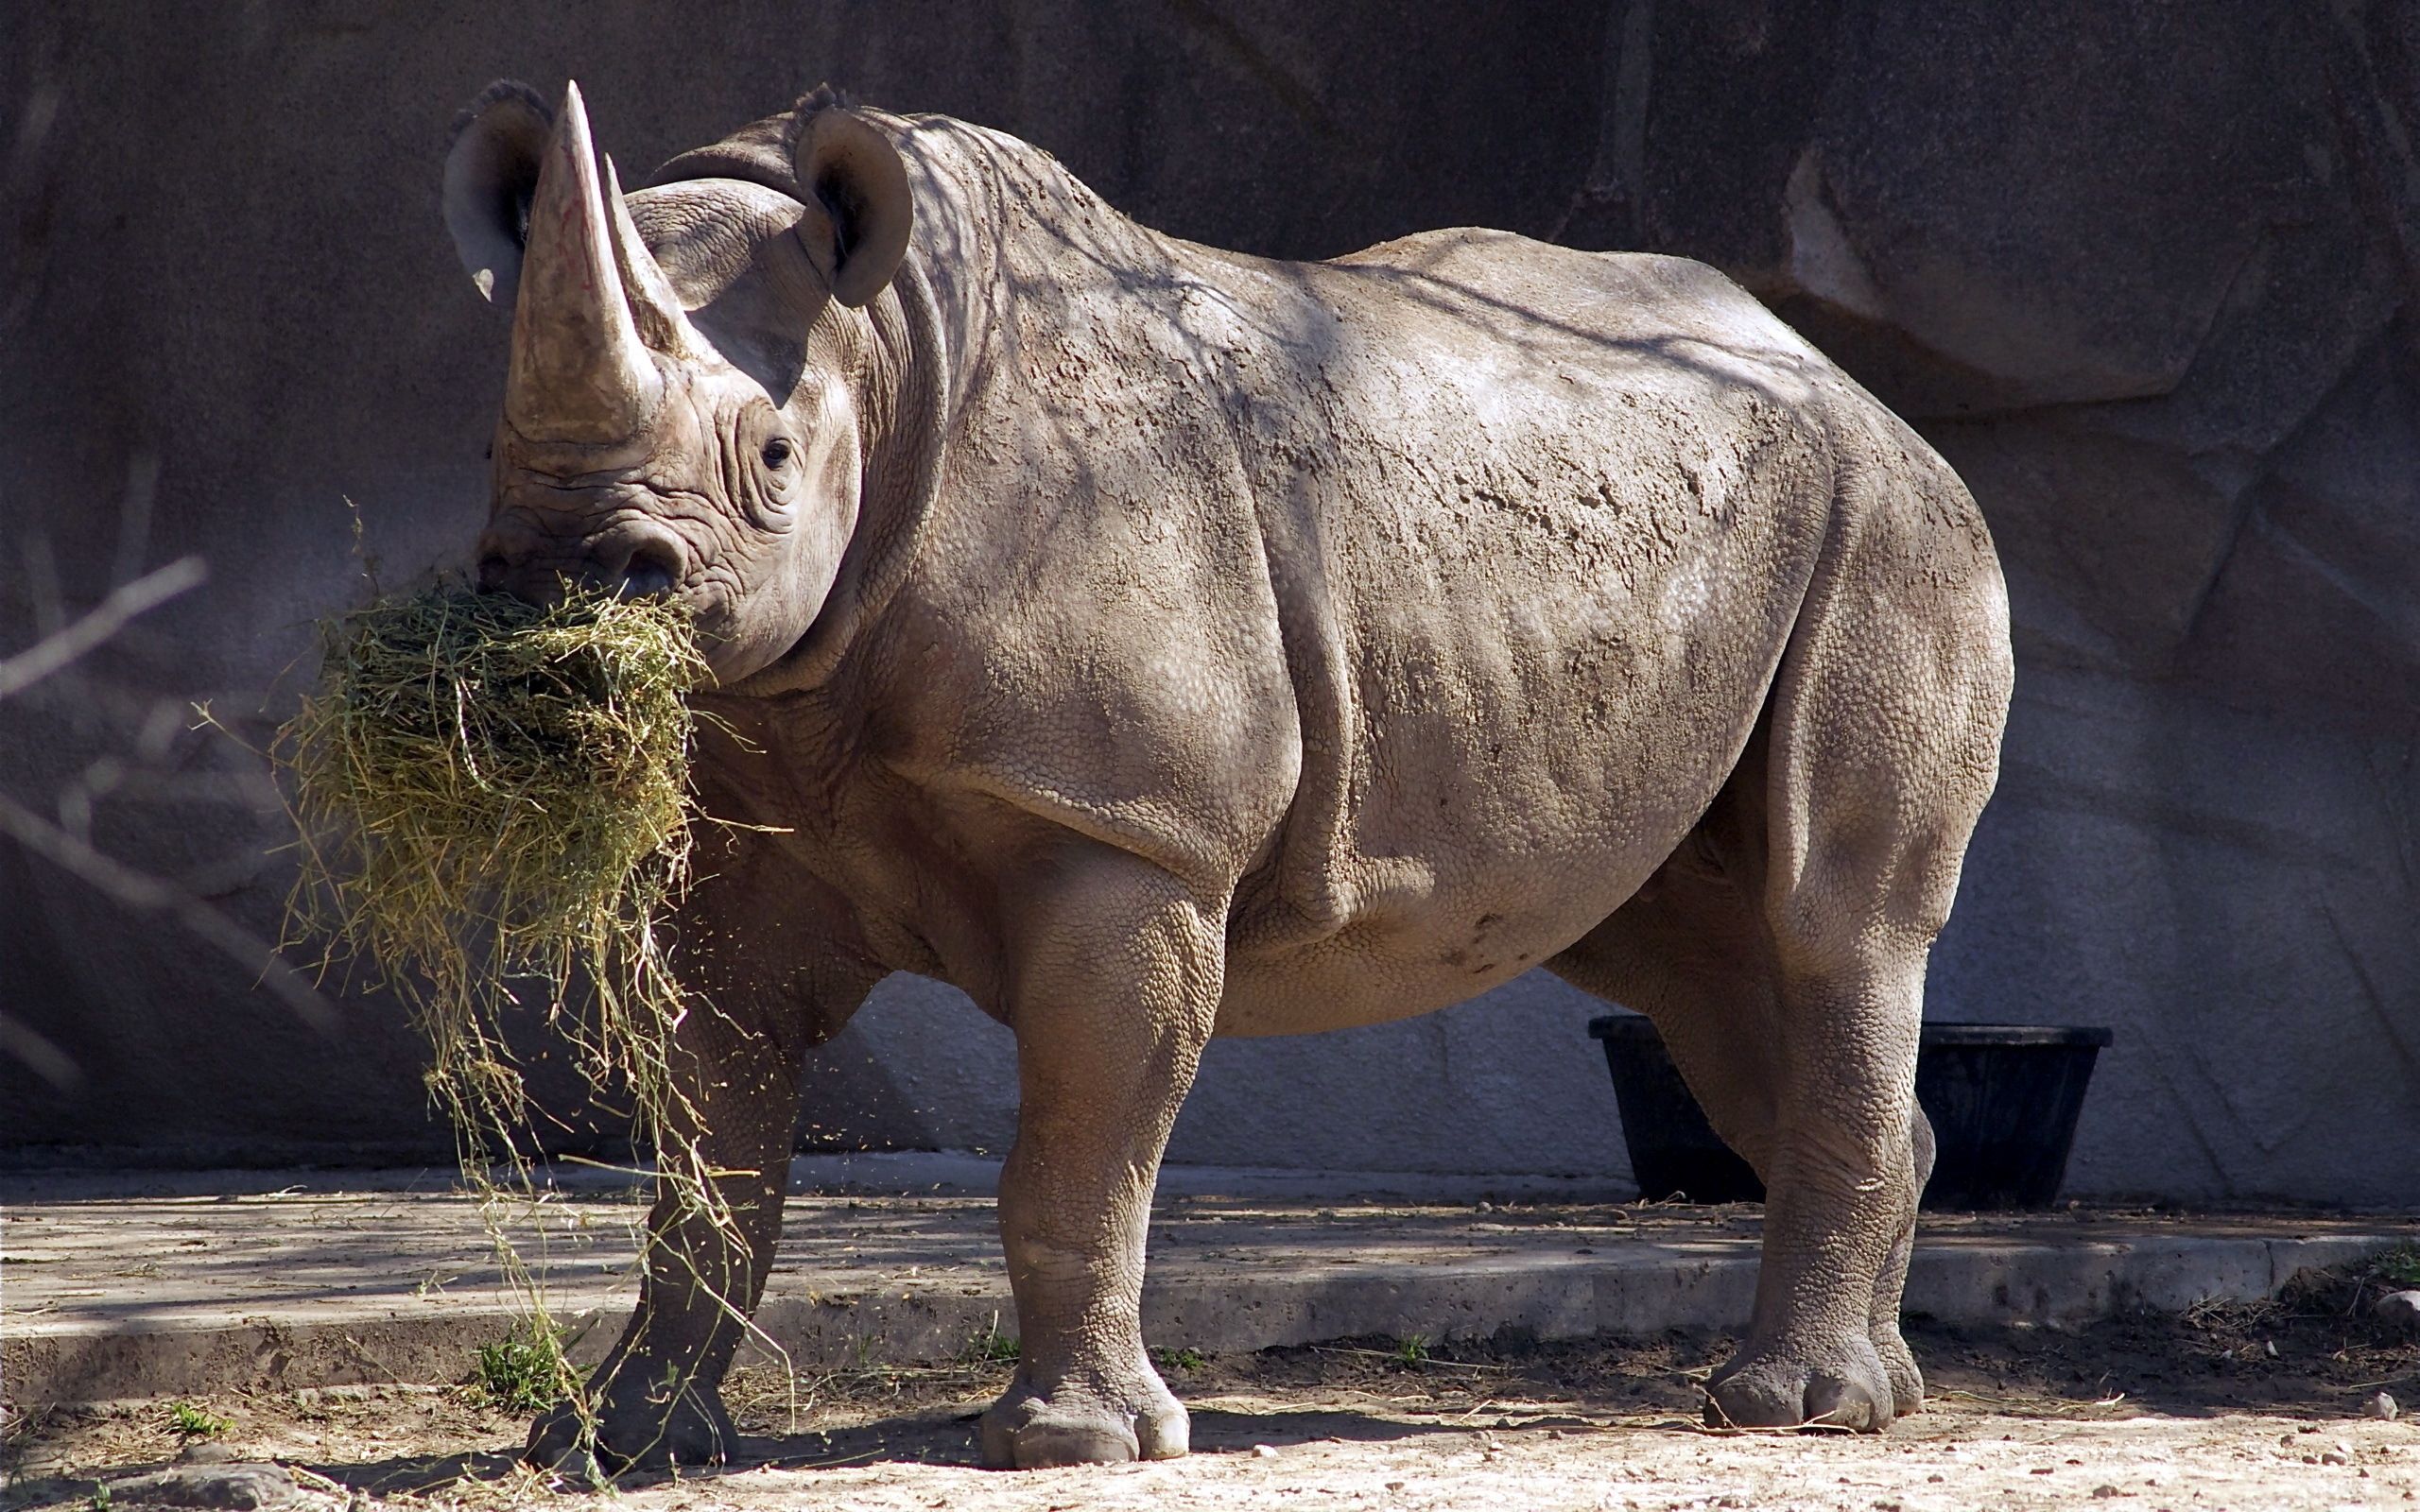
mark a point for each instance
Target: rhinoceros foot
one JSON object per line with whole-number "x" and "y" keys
{"x": 634, "y": 1430}
{"x": 1899, "y": 1368}
{"x": 1084, "y": 1423}
{"x": 1844, "y": 1386}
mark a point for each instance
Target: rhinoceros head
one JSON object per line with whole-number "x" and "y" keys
{"x": 681, "y": 411}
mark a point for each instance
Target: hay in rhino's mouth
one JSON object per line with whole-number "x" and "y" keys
{"x": 495, "y": 795}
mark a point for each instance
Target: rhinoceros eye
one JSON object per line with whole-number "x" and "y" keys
{"x": 777, "y": 452}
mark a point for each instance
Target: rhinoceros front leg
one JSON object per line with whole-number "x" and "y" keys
{"x": 1115, "y": 981}
{"x": 656, "y": 1401}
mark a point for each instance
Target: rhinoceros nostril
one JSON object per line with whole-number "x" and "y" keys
{"x": 651, "y": 569}
{"x": 494, "y": 571}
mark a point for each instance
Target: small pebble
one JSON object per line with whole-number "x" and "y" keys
{"x": 2103, "y": 1494}
{"x": 2383, "y": 1406}
{"x": 1263, "y": 1451}
{"x": 2335, "y": 1457}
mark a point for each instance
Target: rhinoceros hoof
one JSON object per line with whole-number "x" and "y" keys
{"x": 633, "y": 1434}
{"x": 1029, "y": 1428}
{"x": 1899, "y": 1369}
{"x": 1842, "y": 1387}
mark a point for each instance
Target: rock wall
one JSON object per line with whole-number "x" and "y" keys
{"x": 2144, "y": 271}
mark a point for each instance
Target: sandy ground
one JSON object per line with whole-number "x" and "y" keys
{"x": 2267, "y": 1407}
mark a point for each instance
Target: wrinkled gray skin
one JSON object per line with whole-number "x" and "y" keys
{"x": 1156, "y": 642}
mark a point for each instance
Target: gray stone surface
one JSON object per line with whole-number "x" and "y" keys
{"x": 2146, "y": 275}
{"x": 236, "y": 1486}
{"x": 322, "y": 1282}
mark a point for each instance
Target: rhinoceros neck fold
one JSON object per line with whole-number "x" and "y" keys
{"x": 905, "y": 408}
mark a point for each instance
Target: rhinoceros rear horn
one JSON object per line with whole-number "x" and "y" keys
{"x": 581, "y": 371}
{"x": 858, "y": 209}
{"x": 664, "y": 324}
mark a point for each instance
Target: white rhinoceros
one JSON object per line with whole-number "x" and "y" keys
{"x": 1156, "y": 642}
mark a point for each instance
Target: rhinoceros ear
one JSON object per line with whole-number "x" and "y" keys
{"x": 858, "y": 210}
{"x": 490, "y": 173}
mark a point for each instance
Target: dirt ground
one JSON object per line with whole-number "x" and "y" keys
{"x": 2266, "y": 1406}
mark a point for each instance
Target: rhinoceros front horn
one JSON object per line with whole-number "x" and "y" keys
{"x": 581, "y": 371}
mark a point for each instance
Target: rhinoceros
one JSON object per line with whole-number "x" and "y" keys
{"x": 1157, "y": 642}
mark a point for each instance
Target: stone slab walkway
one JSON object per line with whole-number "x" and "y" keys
{"x": 163, "y": 1286}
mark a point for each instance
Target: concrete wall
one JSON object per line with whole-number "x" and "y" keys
{"x": 2144, "y": 271}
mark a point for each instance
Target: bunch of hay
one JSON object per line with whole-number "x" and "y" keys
{"x": 492, "y": 793}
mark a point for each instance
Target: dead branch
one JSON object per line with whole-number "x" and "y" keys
{"x": 54, "y": 652}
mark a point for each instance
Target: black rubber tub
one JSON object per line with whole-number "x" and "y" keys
{"x": 2003, "y": 1101}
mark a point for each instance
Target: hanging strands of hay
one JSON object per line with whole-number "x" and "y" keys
{"x": 492, "y": 793}
{"x": 495, "y": 795}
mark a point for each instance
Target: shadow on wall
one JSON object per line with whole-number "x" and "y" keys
{"x": 2147, "y": 279}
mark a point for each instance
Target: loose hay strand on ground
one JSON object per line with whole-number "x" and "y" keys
{"x": 493, "y": 794}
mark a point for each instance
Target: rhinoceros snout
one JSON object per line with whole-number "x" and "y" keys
{"x": 633, "y": 561}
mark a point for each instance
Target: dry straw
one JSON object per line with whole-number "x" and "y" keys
{"x": 494, "y": 801}
{"x": 495, "y": 795}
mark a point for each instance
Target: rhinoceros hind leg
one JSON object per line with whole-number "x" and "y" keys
{"x": 1693, "y": 950}
{"x": 1810, "y": 1082}
{"x": 1841, "y": 1174}
{"x": 1798, "y": 1387}
{"x": 1882, "y": 1322}
{"x": 1781, "y": 951}
{"x": 1880, "y": 746}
